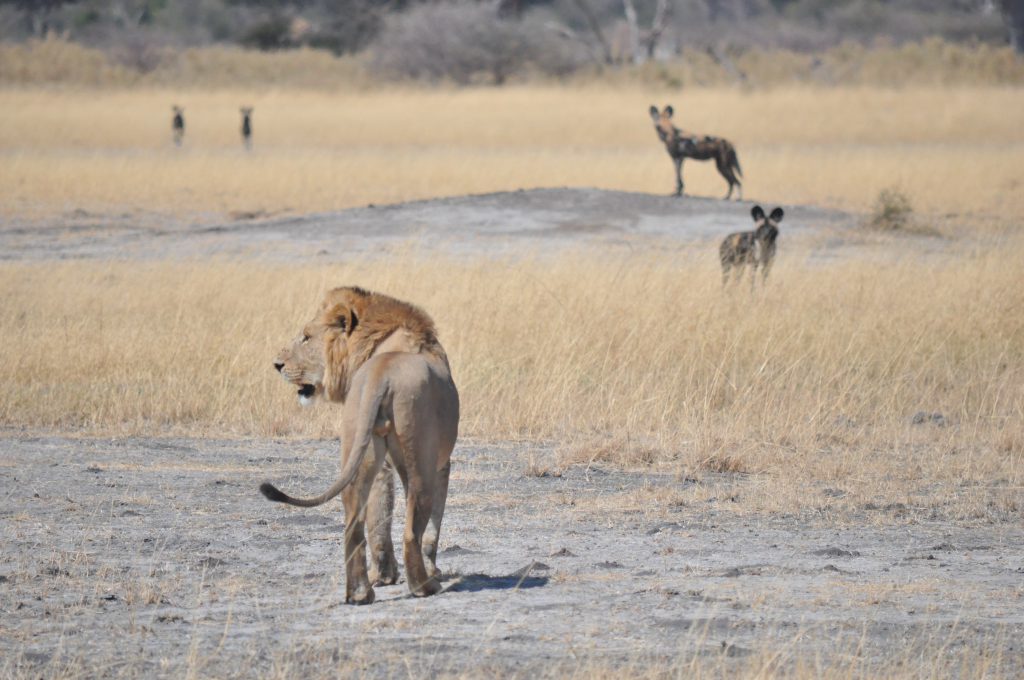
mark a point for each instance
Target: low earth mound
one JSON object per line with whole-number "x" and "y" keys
{"x": 506, "y": 222}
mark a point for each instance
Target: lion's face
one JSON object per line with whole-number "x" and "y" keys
{"x": 302, "y": 363}
{"x": 317, "y": 361}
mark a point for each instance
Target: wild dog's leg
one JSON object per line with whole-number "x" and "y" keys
{"x": 678, "y": 161}
{"x": 433, "y": 531}
{"x": 725, "y": 273}
{"x": 355, "y": 496}
{"x": 723, "y": 169}
{"x": 379, "y": 510}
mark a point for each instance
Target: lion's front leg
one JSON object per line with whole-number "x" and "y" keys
{"x": 379, "y": 510}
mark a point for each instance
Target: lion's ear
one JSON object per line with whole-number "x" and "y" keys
{"x": 353, "y": 321}
{"x": 340, "y": 316}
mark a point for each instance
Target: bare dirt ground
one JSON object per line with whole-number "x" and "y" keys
{"x": 143, "y": 557}
{"x": 493, "y": 224}
{"x": 135, "y": 557}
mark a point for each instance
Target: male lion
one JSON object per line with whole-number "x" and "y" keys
{"x": 381, "y": 359}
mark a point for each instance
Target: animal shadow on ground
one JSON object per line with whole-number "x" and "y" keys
{"x": 520, "y": 579}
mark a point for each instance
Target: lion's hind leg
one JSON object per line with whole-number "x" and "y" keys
{"x": 379, "y": 511}
{"x": 416, "y": 476}
{"x": 433, "y": 530}
{"x": 357, "y": 583}
{"x": 419, "y": 506}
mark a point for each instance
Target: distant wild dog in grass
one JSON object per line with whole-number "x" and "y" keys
{"x": 680, "y": 145}
{"x": 247, "y": 127}
{"x": 178, "y": 124}
{"x": 752, "y": 248}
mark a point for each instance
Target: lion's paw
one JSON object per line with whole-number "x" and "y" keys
{"x": 362, "y": 595}
{"x": 431, "y": 587}
{"x": 385, "y": 574}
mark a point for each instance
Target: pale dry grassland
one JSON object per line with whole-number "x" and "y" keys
{"x": 636, "y": 359}
{"x": 951, "y": 150}
{"x": 54, "y": 61}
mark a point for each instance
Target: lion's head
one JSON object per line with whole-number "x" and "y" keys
{"x": 351, "y": 326}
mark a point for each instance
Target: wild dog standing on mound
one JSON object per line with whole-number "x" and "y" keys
{"x": 682, "y": 145}
{"x": 752, "y": 248}
{"x": 381, "y": 359}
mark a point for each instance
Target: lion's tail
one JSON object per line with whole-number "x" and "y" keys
{"x": 369, "y": 407}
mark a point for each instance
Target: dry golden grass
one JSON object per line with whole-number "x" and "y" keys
{"x": 634, "y": 359}
{"x": 950, "y": 150}
{"x": 54, "y": 61}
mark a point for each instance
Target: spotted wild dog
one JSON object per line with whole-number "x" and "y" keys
{"x": 752, "y": 248}
{"x": 682, "y": 145}
{"x": 246, "y": 126}
{"x": 178, "y": 124}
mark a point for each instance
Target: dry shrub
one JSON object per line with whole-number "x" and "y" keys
{"x": 589, "y": 448}
{"x": 465, "y": 43}
{"x": 892, "y": 211}
{"x": 723, "y": 464}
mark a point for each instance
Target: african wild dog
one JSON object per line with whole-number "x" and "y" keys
{"x": 247, "y": 126}
{"x": 682, "y": 145}
{"x": 752, "y": 248}
{"x": 178, "y": 124}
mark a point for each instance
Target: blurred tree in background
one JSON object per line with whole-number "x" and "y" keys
{"x": 493, "y": 40}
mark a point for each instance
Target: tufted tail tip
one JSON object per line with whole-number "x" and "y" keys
{"x": 272, "y": 493}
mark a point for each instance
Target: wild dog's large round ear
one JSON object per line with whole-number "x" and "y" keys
{"x": 757, "y": 213}
{"x": 669, "y": 110}
{"x": 654, "y": 113}
{"x": 777, "y": 215}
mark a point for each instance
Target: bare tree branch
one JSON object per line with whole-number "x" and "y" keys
{"x": 658, "y": 25}
{"x": 723, "y": 60}
{"x": 595, "y": 28}
{"x": 565, "y": 32}
{"x": 1013, "y": 15}
{"x": 633, "y": 30}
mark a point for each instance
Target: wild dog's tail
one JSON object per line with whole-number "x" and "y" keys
{"x": 734, "y": 161}
{"x": 369, "y": 407}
